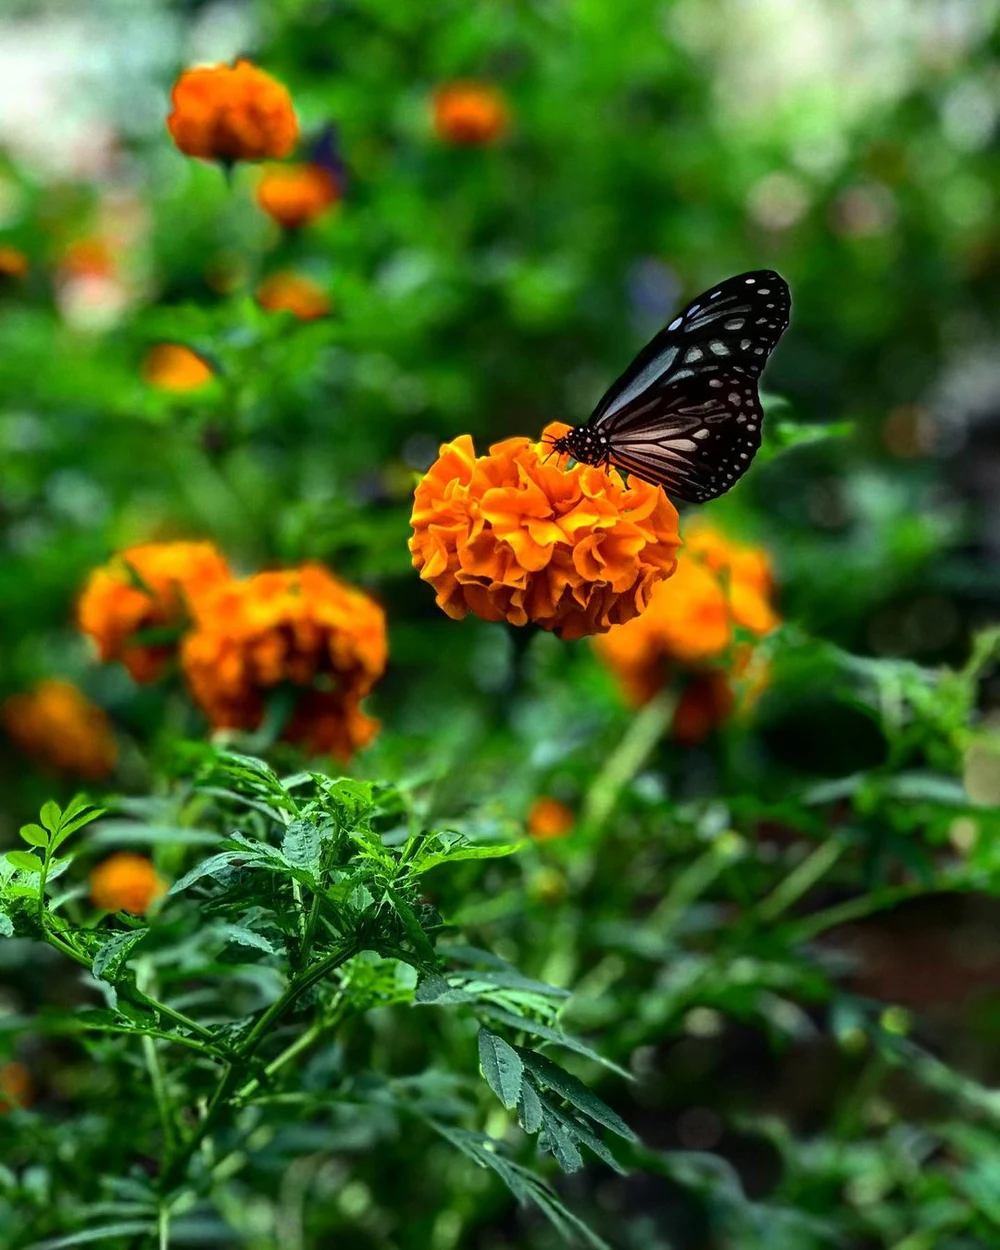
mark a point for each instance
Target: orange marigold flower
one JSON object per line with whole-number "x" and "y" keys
{"x": 470, "y": 113}
{"x": 151, "y": 587}
{"x": 60, "y": 726}
{"x": 232, "y": 113}
{"x": 13, "y": 262}
{"x": 87, "y": 258}
{"x": 126, "y": 882}
{"x": 16, "y": 1088}
{"x": 299, "y": 627}
{"x": 718, "y": 588}
{"x": 295, "y": 195}
{"x": 174, "y": 367}
{"x": 291, "y": 292}
{"x": 512, "y": 536}
{"x": 549, "y": 818}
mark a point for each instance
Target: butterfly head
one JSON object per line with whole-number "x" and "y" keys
{"x": 585, "y": 445}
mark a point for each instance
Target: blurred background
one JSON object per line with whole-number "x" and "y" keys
{"x": 650, "y": 149}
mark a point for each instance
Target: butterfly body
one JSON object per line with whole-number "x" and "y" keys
{"x": 686, "y": 415}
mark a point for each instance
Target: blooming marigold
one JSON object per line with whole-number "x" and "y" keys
{"x": 470, "y": 113}
{"x": 174, "y": 367}
{"x": 549, "y": 818}
{"x": 232, "y": 113}
{"x": 691, "y": 624}
{"x": 126, "y": 882}
{"x": 16, "y": 1088}
{"x": 512, "y": 536}
{"x": 149, "y": 587}
{"x": 295, "y": 195}
{"x": 298, "y": 627}
{"x": 61, "y": 727}
{"x": 13, "y": 262}
{"x": 291, "y": 292}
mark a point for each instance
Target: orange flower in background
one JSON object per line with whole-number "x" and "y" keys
{"x": 470, "y": 113}
{"x": 291, "y": 292}
{"x": 719, "y": 588}
{"x": 13, "y": 262}
{"x": 232, "y": 113}
{"x": 59, "y": 725}
{"x": 295, "y": 195}
{"x": 174, "y": 367}
{"x": 16, "y": 1089}
{"x": 151, "y": 587}
{"x": 297, "y": 627}
{"x": 512, "y": 536}
{"x": 87, "y": 258}
{"x": 549, "y": 818}
{"x": 126, "y": 882}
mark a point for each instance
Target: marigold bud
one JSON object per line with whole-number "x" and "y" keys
{"x": 61, "y": 728}
{"x": 549, "y": 818}
{"x": 295, "y": 195}
{"x": 291, "y": 292}
{"x": 13, "y": 262}
{"x": 514, "y": 536}
{"x": 232, "y": 113}
{"x": 126, "y": 882}
{"x": 174, "y": 367}
{"x": 470, "y": 113}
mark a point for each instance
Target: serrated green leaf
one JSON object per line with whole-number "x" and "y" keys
{"x": 6, "y": 925}
{"x": 529, "y": 1108}
{"x": 70, "y": 826}
{"x": 425, "y": 862}
{"x": 24, "y": 860}
{"x": 301, "y": 845}
{"x": 51, "y": 815}
{"x": 559, "y": 1142}
{"x": 247, "y": 937}
{"x": 575, "y": 1092}
{"x": 412, "y": 927}
{"x": 109, "y": 961}
{"x": 430, "y": 988}
{"x": 502, "y": 1067}
{"x": 34, "y": 835}
{"x": 556, "y": 1036}
{"x": 207, "y": 868}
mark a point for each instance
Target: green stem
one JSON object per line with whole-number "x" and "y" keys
{"x": 644, "y": 732}
{"x": 164, "y": 1227}
{"x": 852, "y": 909}
{"x": 693, "y": 882}
{"x": 801, "y": 879}
{"x": 159, "y": 1091}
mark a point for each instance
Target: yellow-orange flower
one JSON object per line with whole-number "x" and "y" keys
{"x": 297, "y": 627}
{"x": 470, "y": 113}
{"x": 126, "y": 882}
{"x": 549, "y": 818}
{"x": 13, "y": 262}
{"x": 512, "y": 536}
{"x": 232, "y": 113}
{"x": 174, "y": 367}
{"x": 58, "y": 725}
{"x": 87, "y": 258}
{"x": 291, "y": 292}
{"x": 692, "y": 623}
{"x": 16, "y": 1088}
{"x": 151, "y": 587}
{"x": 295, "y": 195}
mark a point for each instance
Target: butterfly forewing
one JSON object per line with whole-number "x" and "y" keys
{"x": 685, "y": 414}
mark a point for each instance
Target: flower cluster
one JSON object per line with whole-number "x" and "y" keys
{"x": 513, "y": 536}
{"x": 126, "y": 882}
{"x": 296, "y": 195}
{"x": 719, "y": 590}
{"x": 135, "y": 607}
{"x": 470, "y": 113}
{"x": 232, "y": 113}
{"x": 61, "y": 728}
{"x": 302, "y": 628}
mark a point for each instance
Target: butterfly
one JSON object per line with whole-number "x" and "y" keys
{"x": 685, "y": 414}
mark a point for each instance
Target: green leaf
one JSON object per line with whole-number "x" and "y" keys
{"x": 502, "y": 1067}
{"x": 575, "y": 1092}
{"x": 529, "y": 1108}
{"x": 51, "y": 815}
{"x": 73, "y": 820}
{"x": 461, "y": 850}
{"x": 247, "y": 937}
{"x": 412, "y": 927}
{"x": 105, "y": 1232}
{"x": 24, "y": 860}
{"x": 556, "y": 1036}
{"x": 6, "y": 925}
{"x": 109, "y": 961}
{"x": 207, "y": 868}
{"x": 301, "y": 845}
{"x": 34, "y": 835}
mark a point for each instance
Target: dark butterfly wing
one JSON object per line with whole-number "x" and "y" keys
{"x": 733, "y": 327}
{"x": 694, "y": 437}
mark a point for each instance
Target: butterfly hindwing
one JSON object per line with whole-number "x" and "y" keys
{"x": 697, "y": 439}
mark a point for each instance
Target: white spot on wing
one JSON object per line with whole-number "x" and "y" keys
{"x": 719, "y": 347}
{"x": 694, "y": 353}
{"x": 675, "y": 323}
